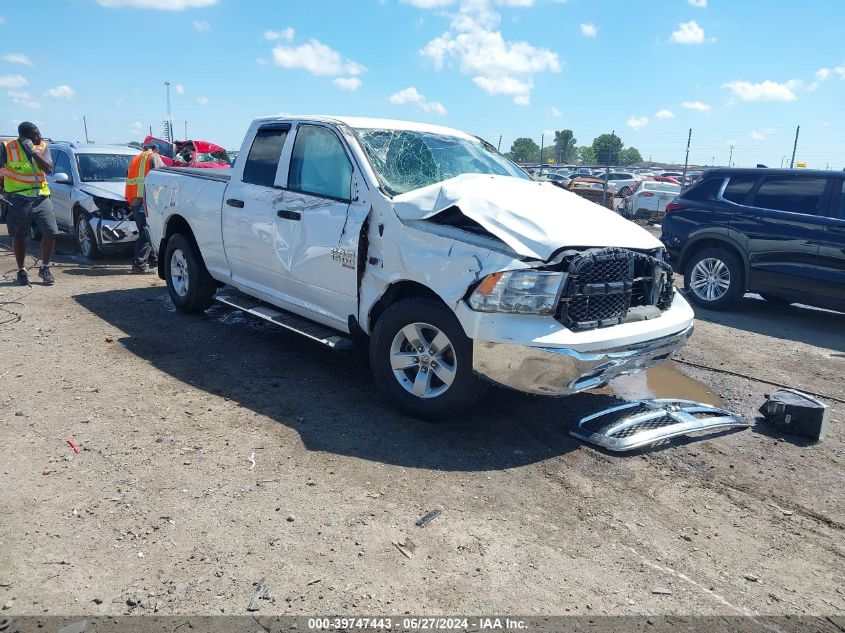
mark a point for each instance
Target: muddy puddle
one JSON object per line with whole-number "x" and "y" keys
{"x": 664, "y": 381}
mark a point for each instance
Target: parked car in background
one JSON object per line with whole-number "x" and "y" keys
{"x": 440, "y": 257}
{"x": 777, "y": 232}
{"x": 190, "y": 153}
{"x": 558, "y": 179}
{"x": 620, "y": 183}
{"x": 592, "y": 189}
{"x": 87, "y": 188}
{"x": 670, "y": 179}
{"x": 649, "y": 200}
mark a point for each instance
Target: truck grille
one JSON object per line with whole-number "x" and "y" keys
{"x": 604, "y": 284}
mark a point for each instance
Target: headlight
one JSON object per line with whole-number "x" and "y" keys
{"x": 518, "y": 291}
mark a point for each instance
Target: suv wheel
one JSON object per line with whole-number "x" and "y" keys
{"x": 713, "y": 278}
{"x": 85, "y": 240}
{"x": 422, "y": 360}
{"x": 190, "y": 285}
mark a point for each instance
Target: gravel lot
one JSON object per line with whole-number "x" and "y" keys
{"x": 162, "y": 510}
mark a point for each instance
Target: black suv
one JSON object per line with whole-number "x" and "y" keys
{"x": 776, "y": 232}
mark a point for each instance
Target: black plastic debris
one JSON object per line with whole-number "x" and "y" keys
{"x": 428, "y": 518}
{"x": 796, "y": 413}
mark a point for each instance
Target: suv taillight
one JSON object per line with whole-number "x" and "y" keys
{"x": 674, "y": 206}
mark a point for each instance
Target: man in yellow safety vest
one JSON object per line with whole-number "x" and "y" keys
{"x": 144, "y": 259}
{"x": 24, "y": 165}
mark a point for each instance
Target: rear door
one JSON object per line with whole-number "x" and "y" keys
{"x": 782, "y": 221}
{"x": 831, "y": 271}
{"x": 249, "y": 213}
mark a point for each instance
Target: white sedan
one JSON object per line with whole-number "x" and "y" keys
{"x": 649, "y": 200}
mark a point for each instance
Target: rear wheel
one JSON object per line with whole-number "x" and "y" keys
{"x": 422, "y": 360}
{"x": 190, "y": 285}
{"x": 85, "y": 240}
{"x": 713, "y": 278}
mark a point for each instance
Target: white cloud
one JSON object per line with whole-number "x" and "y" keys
{"x": 137, "y": 127}
{"x": 286, "y": 34}
{"x": 496, "y": 65}
{"x": 589, "y": 30}
{"x": 163, "y": 5}
{"x": 12, "y": 81}
{"x": 202, "y": 25}
{"x": 696, "y": 105}
{"x": 699, "y": 4}
{"x": 23, "y": 98}
{"x": 689, "y": 33}
{"x": 428, "y": 4}
{"x": 347, "y": 83}
{"x": 840, "y": 70}
{"x": 764, "y": 91}
{"x": 555, "y": 112}
{"x": 635, "y": 123}
{"x": 60, "y": 92}
{"x": 179, "y": 88}
{"x": 412, "y": 96}
{"x": 18, "y": 58}
{"x": 316, "y": 58}
{"x": 757, "y": 136}
{"x": 822, "y": 74}
{"x": 664, "y": 114}
{"x": 202, "y": 100}
{"x": 2, "y": 20}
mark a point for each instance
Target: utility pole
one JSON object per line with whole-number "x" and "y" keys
{"x": 782, "y": 158}
{"x": 713, "y": 162}
{"x": 730, "y": 158}
{"x": 542, "y": 139}
{"x": 169, "y": 119}
{"x": 794, "y": 147}
{"x": 151, "y": 130}
{"x": 498, "y": 147}
{"x": 686, "y": 160}
{"x": 85, "y": 124}
{"x": 186, "y": 130}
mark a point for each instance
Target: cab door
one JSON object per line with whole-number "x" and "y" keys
{"x": 61, "y": 194}
{"x": 318, "y": 223}
{"x": 831, "y": 271}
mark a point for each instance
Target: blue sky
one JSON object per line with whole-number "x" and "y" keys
{"x": 742, "y": 73}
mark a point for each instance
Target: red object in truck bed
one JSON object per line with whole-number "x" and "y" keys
{"x": 190, "y": 153}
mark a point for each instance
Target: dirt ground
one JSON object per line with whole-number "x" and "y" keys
{"x": 163, "y": 512}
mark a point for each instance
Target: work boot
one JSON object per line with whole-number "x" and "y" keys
{"x": 140, "y": 270}
{"x": 23, "y": 278}
{"x": 46, "y": 275}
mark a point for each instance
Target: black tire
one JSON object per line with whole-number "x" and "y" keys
{"x": 779, "y": 301}
{"x": 88, "y": 249}
{"x": 718, "y": 260}
{"x": 465, "y": 387}
{"x": 199, "y": 287}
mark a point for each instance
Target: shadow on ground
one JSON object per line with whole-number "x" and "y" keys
{"x": 330, "y": 398}
{"x": 820, "y": 328}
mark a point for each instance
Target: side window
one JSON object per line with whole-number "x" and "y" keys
{"x": 738, "y": 188}
{"x": 263, "y": 158}
{"x": 798, "y": 195}
{"x": 61, "y": 163}
{"x": 704, "y": 190}
{"x": 319, "y": 164}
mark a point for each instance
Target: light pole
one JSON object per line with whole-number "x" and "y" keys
{"x": 169, "y": 119}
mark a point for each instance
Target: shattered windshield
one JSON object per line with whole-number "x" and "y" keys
{"x": 103, "y": 167}
{"x": 406, "y": 160}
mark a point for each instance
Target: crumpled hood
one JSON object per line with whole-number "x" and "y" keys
{"x": 535, "y": 219}
{"x": 111, "y": 190}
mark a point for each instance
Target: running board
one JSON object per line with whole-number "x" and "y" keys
{"x": 292, "y": 322}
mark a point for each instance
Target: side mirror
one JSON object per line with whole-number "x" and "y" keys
{"x": 62, "y": 178}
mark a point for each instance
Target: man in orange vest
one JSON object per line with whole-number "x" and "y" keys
{"x": 144, "y": 259}
{"x": 24, "y": 164}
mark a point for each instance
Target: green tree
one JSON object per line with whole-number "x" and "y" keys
{"x": 525, "y": 150}
{"x": 630, "y": 155}
{"x": 607, "y": 147}
{"x": 135, "y": 144}
{"x": 564, "y": 150}
{"x": 586, "y": 155}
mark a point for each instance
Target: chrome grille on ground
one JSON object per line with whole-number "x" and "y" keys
{"x": 604, "y": 284}
{"x": 644, "y": 422}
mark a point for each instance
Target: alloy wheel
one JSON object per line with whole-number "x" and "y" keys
{"x": 710, "y": 279}
{"x": 423, "y": 360}
{"x": 179, "y": 272}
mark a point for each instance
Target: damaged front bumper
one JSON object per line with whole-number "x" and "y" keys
{"x": 561, "y": 371}
{"x": 114, "y": 232}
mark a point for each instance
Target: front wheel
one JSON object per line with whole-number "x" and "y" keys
{"x": 422, "y": 360}
{"x": 713, "y": 278}
{"x": 85, "y": 240}
{"x": 190, "y": 285}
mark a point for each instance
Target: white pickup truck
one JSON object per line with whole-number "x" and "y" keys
{"x": 425, "y": 247}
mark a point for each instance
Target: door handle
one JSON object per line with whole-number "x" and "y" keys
{"x": 289, "y": 215}
{"x": 234, "y": 202}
